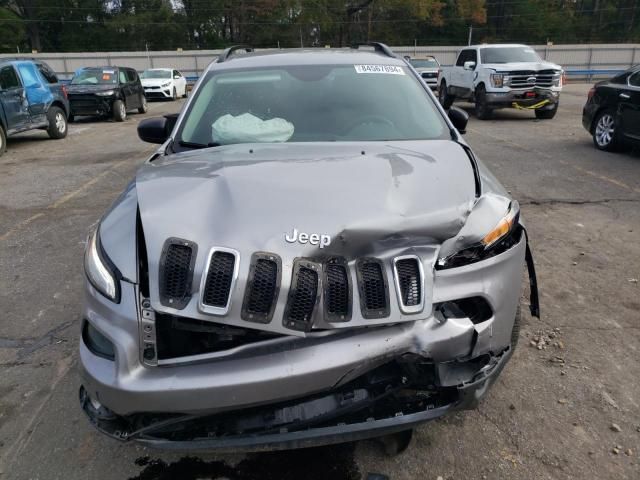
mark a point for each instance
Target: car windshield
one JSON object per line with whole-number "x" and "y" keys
{"x": 508, "y": 55}
{"x": 320, "y": 103}
{"x": 95, "y": 76}
{"x": 156, "y": 74}
{"x": 428, "y": 63}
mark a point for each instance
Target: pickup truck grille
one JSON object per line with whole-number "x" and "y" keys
{"x": 530, "y": 79}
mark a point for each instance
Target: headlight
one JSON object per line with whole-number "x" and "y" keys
{"x": 503, "y": 236}
{"x": 557, "y": 79}
{"x": 100, "y": 272}
{"x": 106, "y": 93}
{"x": 497, "y": 80}
{"x": 166, "y": 84}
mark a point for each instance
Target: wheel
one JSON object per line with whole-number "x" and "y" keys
{"x": 547, "y": 114}
{"x": 175, "y": 94}
{"x": 3, "y": 141}
{"x": 119, "y": 111}
{"x": 483, "y": 111}
{"x": 143, "y": 108}
{"x": 604, "y": 132}
{"x": 515, "y": 332}
{"x": 446, "y": 100}
{"x": 185, "y": 92}
{"x": 57, "y": 123}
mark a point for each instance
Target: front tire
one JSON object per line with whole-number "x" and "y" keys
{"x": 605, "y": 134}
{"x": 483, "y": 111}
{"x": 143, "y": 105}
{"x": 446, "y": 100}
{"x": 547, "y": 114}
{"x": 57, "y": 123}
{"x": 3, "y": 141}
{"x": 119, "y": 111}
{"x": 174, "y": 97}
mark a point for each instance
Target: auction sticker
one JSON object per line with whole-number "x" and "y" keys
{"x": 388, "y": 69}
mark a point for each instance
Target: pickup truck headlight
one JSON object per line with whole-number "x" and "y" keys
{"x": 557, "y": 79}
{"x": 106, "y": 93}
{"x": 503, "y": 236}
{"x": 99, "y": 269}
{"x": 497, "y": 80}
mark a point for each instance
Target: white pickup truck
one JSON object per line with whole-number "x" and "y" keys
{"x": 502, "y": 76}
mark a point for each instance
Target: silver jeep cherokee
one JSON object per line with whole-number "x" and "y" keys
{"x": 313, "y": 255}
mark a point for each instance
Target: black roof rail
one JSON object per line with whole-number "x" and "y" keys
{"x": 224, "y": 56}
{"x": 15, "y": 59}
{"x": 377, "y": 46}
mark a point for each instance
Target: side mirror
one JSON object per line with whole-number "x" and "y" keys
{"x": 458, "y": 117}
{"x": 469, "y": 65}
{"x": 157, "y": 129}
{"x": 176, "y": 77}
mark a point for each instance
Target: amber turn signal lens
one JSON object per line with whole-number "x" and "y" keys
{"x": 503, "y": 227}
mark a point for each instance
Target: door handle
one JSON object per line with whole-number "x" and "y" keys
{"x": 625, "y": 96}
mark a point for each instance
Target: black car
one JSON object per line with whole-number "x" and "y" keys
{"x": 612, "y": 111}
{"x": 106, "y": 91}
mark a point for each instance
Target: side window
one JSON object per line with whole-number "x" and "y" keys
{"x": 462, "y": 58}
{"x": 9, "y": 79}
{"x": 634, "y": 80}
{"x": 47, "y": 73}
{"x": 473, "y": 56}
{"x": 122, "y": 76}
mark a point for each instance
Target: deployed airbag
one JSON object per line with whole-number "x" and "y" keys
{"x": 248, "y": 128}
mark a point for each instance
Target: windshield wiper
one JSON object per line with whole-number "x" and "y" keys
{"x": 182, "y": 143}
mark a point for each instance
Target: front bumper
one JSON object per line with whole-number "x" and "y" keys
{"x": 90, "y": 104}
{"x": 162, "y": 93}
{"x": 523, "y": 98}
{"x": 461, "y": 358}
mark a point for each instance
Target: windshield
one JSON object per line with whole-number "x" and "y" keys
{"x": 428, "y": 63}
{"x": 95, "y": 76}
{"x": 508, "y": 55}
{"x": 320, "y": 103}
{"x": 156, "y": 74}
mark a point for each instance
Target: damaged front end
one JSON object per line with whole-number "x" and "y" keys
{"x": 220, "y": 331}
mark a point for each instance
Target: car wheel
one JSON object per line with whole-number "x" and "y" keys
{"x": 515, "y": 332}
{"x": 547, "y": 114}
{"x": 3, "y": 141}
{"x": 604, "y": 132}
{"x": 446, "y": 100}
{"x": 483, "y": 111}
{"x": 143, "y": 108}
{"x": 175, "y": 94}
{"x": 186, "y": 92}
{"x": 57, "y": 123}
{"x": 119, "y": 111}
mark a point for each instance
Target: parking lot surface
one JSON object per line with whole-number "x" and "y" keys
{"x": 566, "y": 406}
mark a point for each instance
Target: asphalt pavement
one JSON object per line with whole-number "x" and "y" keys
{"x": 566, "y": 406}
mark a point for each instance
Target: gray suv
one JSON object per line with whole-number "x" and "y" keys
{"x": 313, "y": 255}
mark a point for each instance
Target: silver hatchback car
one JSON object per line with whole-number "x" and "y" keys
{"x": 313, "y": 255}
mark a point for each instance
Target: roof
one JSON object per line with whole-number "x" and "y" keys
{"x": 499, "y": 45}
{"x": 311, "y": 56}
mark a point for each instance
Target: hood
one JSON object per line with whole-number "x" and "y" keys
{"x": 363, "y": 196}
{"x": 154, "y": 82}
{"x": 71, "y": 89}
{"x": 516, "y": 66}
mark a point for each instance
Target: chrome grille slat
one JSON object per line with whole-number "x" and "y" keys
{"x": 218, "y": 280}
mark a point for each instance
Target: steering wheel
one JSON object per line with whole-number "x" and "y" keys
{"x": 368, "y": 120}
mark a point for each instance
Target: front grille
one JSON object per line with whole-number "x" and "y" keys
{"x": 263, "y": 285}
{"x": 530, "y": 79}
{"x": 409, "y": 283}
{"x": 176, "y": 272}
{"x": 303, "y": 295}
{"x": 220, "y": 276}
{"x": 429, "y": 75}
{"x": 373, "y": 288}
{"x": 337, "y": 291}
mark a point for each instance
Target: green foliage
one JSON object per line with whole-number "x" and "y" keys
{"x": 104, "y": 25}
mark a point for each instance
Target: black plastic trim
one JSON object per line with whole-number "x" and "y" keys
{"x": 177, "y": 303}
{"x": 366, "y": 313}
{"x": 299, "y": 263}
{"x": 253, "y": 317}
{"x": 329, "y": 317}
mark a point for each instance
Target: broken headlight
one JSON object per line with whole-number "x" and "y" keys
{"x": 503, "y": 236}
{"x": 99, "y": 269}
